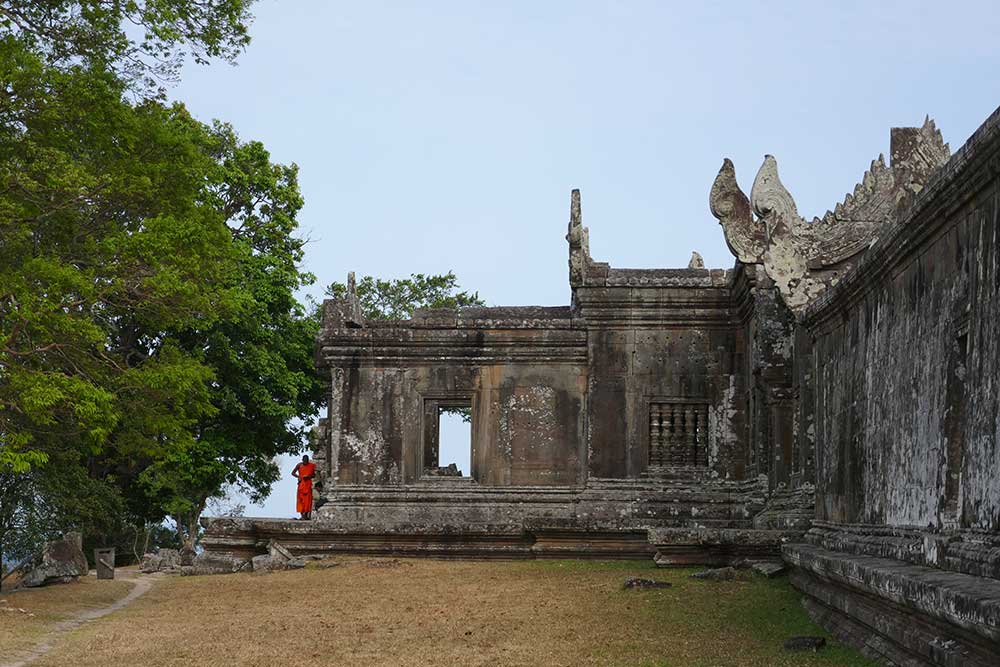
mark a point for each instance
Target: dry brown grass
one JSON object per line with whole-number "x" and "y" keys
{"x": 450, "y": 613}
{"x": 45, "y": 607}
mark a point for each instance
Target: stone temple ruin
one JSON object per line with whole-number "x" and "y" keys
{"x": 834, "y": 398}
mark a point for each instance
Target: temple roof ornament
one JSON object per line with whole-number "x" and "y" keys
{"x": 579, "y": 242}
{"x": 745, "y": 238}
{"x": 346, "y": 311}
{"x": 803, "y": 258}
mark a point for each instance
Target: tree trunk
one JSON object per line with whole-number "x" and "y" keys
{"x": 193, "y": 526}
{"x": 145, "y": 542}
{"x": 187, "y": 524}
{"x": 187, "y": 542}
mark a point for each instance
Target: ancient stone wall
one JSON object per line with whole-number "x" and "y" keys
{"x": 629, "y": 409}
{"x": 795, "y": 261}
{"x": 769, "y": 330}
{"x": 646, "y": 371}
{"x": 906, "y": 361}
{"x": 521, "y": 371}
{"x": 903, "y": 559}
{"x": 665, "y": 366}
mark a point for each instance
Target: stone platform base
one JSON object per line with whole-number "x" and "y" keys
{"x": 457, "y": 518}
{"x": 714, "y": 547}
{"x": 246, "y": 538}
{"x": 460, "y": 502}
{"x": 897, "y": 612}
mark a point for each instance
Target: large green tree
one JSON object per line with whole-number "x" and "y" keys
{"x": 106, "y": 243}
{"x": 152, "y": 350}
{"x": 265, "y": 388}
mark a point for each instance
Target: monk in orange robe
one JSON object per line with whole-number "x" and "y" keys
{"x": 305, "y": 472}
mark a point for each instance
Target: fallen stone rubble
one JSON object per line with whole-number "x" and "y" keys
{"x": 804, "y": 643}
{"x": 62, "y": 562}
{"x": 644, "y": 584}
{"x": 277, "y": 558}
{"x": 716, "y": 574}
{"x": 163, "y": 560}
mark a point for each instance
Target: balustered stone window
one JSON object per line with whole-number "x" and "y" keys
{"x": 678, "y": 433}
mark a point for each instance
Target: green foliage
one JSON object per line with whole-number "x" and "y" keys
{"x": 152, "y": 351}
{"x": 264, "y": 389}
{"x": 397, "y": 299}
{"x": 107, "y": 245}
{"x": 16, "y": 515}
{"x": 138, "y": 40}
{"x": 96, "y": 236}
{"x": 46, "y": 501}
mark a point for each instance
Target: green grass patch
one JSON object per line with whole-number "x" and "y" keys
{"x": 745, "y": 621}
{"x": 698, "y": 623}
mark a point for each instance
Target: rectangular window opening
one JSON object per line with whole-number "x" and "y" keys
{"x": 449, "y": 446}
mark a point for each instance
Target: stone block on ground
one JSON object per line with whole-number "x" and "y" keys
{"x": 104, "y": 562}
{"x": 451, "y": 470}
{"x": 164, "y": 560}
{"x": 207, "y": 563}
{"x": 326, "y": 564}
{"x": 804, "y": 643}
{"x": 278, "y": 550}
{"x": 769, "y": 569}
{"x": 265, "y": 563}
{"x": 62, "y": 561}
{"x": 716, "y": 574}
{"x": 277, "y": 558}
{"x": 150, "y": 562}
{"x": 645, "y": 584}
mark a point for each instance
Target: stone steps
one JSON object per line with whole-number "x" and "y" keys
{"x": 899, "y": 612}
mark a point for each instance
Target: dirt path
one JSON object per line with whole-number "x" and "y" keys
{"x": 142, "y": 583}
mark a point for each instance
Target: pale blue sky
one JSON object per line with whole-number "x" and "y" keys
{"x": 442, "y": 136}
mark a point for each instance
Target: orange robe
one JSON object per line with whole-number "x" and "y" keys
{"x": 304, "y": 497}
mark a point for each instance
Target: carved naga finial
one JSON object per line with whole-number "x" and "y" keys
{"x": 789, "y": 238}
{"x": 745, "y": 238}
{"x": 578, "y": 237}
{"x": 805, "y": 258}
{"x": 771, "y": 200}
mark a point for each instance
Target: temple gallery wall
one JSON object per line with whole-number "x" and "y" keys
{"x": 832, "y": 399}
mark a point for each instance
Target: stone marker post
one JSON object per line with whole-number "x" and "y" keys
{"x": 104, "y": 560}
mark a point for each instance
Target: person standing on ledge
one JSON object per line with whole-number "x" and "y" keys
{"x": 305, "y": 472}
